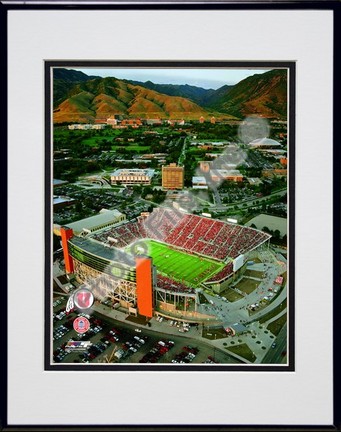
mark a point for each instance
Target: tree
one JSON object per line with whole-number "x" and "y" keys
{"x": 277, "y": 234}
{"x": 56, "y": 242}
{"x": 78, "y": 207}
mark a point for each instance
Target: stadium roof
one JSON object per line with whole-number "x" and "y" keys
{"x": 99, "y": 250}
{"x": 272, "y": 222}
{"x": 264, "y": 142}
{"x": 103, "y": 218}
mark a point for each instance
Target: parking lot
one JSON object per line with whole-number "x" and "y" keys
{"x": 119, "y": 342}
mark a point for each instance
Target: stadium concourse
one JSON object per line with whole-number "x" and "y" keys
{"x": 189, "y": 254}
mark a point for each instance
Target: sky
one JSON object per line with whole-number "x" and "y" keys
{"x": 205, "y": 78}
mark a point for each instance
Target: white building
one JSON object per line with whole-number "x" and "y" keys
{"x": 199, "y": 182}
{"x": 254, "y": 181}
{"x": 264, "y": 143}
{"x": 105, "y": 218}
{"x": 86, "y": 126}
{"x": 112, "y": 121}
{"x": 132, "y": 176}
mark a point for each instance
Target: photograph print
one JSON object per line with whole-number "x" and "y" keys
{"x": 169, "y": 190}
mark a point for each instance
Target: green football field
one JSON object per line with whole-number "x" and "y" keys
{"x": 181, "y": 266}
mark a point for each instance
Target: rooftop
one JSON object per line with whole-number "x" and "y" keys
{"x": 62, "y": 199}
{"x": 133, "y": 171}
{"x": 255, "y": 180}
{"x": 225, "y": 173}
{"x": 264, "y": 142}
{"x": 198, "y": 179}
{"x": 98, "y": 249}
{"x": 57, "y": 182}
{"x": 104, "y": 217}
{"x": 272, "y": 222}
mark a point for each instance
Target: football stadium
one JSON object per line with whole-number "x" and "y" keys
{"x": 161, "y": 263}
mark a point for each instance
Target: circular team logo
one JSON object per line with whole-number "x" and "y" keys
{"x": 83, "y": 298}
{"x": 81, "y": 324}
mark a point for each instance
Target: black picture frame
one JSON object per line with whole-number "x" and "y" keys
{"x": 293, "y": 5}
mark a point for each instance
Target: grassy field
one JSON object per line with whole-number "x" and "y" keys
{"x": 183, "y": 267}
{"x": 213, "y": 334}
{"x": 243, "y": 350}
{"x": 247, "y": 285}
{"x": 276, "y": 326}
{"x": 95, "y": 141}
{"x": 231, "y": 295}
{"x": 274, "y": 312}
{"x": 254, "y": 273}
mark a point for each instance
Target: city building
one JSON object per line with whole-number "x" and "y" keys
{"x": 254, "y": 181}
{"x": 79, "y": 126}
{"x": 230, "y": 175}
{"x": 205, "y": 146}
{"x": 159, "y": 156}
{"x": 272, "y": 151}
{"x": 105, "y": 218}
{"x": 131, "y": 122}
{"x": 199, "y": 182}
{"x": 213, "y": 155}
{"x": 176, "y": 122}
{"x": 112, "y": 121}
{"x": 86, "y": 126}
{"x": 172, "y": 176}
{"x": 153, "y": 122}
{"x": 274, "y": 172}
{"x": 57, "y": 183}
{"x": 205, "y": 166}
{"x": 62, "y": 201}
{"x": 132, "y": 176}
{"x": 99, "y": 126}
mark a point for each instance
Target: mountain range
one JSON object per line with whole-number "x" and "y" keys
{"x": 78, "y": 97}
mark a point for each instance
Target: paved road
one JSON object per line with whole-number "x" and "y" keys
{"x": 274, "y": 355}
{"x": 251, "y": 202}
{"x": 217, "y": 198}
{"x": 182, "y": 156}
